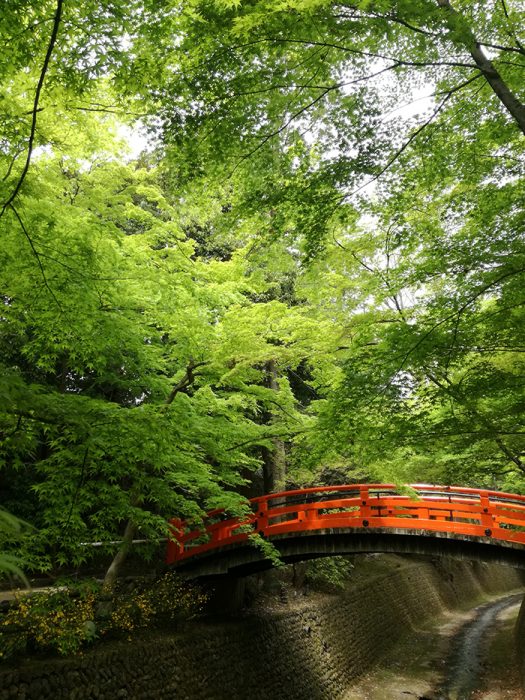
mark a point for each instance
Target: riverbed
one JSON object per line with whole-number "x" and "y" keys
{"x": 464, "y": 655}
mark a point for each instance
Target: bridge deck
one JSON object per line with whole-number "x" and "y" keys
{"x": 439, "y": 511}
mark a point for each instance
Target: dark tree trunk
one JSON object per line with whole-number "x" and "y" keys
{"x": 491, "y": 74}
{"x": 113, "y": 570}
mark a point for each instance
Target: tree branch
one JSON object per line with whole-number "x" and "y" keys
{"x": 278, "y": 131}
{"x": 186, "y": 380}
{"x": 492, "y": 430}
{"x": 411, "y": 138}
{"x": 511, "y": 33}
{"x": 51, "y": 46}
{"x": 36, "y": 254}
{"x": 260, "y": 438}
{"x": 367, "y": 54}
{"x": 500, "y": 88}
{"x": 458, "y": 312}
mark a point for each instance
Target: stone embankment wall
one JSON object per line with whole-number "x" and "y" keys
{"x": 520, "y": 641}
{"x": 311, "y": 649}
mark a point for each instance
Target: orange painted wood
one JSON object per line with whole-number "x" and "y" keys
{"x": 436, "y": 509}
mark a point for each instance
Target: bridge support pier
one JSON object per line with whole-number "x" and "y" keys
{"x": 226, "y": 594}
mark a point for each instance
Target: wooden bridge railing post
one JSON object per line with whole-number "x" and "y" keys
{"x": 364, "y": 505}
{"x": 310, "y": 512}
{"x": 261, "y": 522}
{"x": 487, "y": 519}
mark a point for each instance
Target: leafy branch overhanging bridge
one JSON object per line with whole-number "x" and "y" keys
{"x": 324, "y": 521}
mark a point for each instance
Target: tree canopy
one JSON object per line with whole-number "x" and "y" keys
{"x": 313, "y": 271}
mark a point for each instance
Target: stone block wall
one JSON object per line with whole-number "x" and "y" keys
{"x": 309, "y": 650}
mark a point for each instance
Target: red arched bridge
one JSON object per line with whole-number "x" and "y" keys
{"x": 325, "y": 521}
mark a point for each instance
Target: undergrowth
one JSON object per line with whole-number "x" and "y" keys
{"x": 66, "y": 620}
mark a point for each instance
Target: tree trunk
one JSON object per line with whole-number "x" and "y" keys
{"x": 274, "y": 467}
{"x": 127, "y": 541}
{"x": 113, "y": 570}
{"x": 511, "y": 103}
{"x": 274, "y": 459}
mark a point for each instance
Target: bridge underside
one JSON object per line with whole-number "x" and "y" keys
{"x": 245, "y": 559}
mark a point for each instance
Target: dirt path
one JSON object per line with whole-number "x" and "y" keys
{"x": 463, "y": 656}
{"x": 499, "y": 678}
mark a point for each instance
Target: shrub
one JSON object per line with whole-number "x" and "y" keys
{"x": 48, "y": 621}
{"x": 168, "y": 599}
{"x": 331, "y": 572}
{"x": 64, "y": 620}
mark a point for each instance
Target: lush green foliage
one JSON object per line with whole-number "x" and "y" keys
{"x": 301, "y": 269}
{"x": 329, "y": 572}
{"x": 419, "y": 217}
{"x": 130, "y": 383}
{"x": 11, "y": 530}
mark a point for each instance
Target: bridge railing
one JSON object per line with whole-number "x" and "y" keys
{"x": 439, "y": 509}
